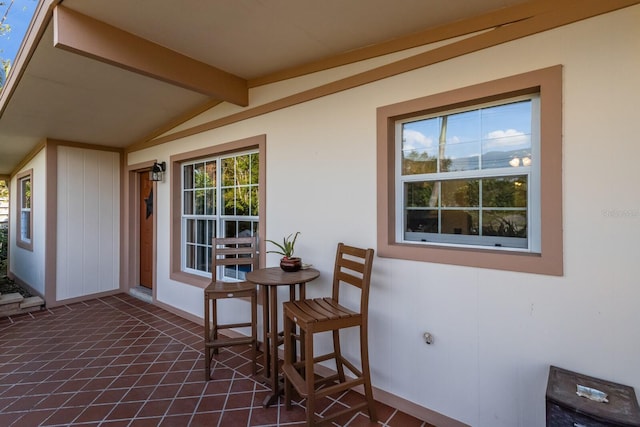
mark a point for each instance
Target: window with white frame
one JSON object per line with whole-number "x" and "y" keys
{"x": 219, "y": 199}
{"x": 470, "y": 177}
{"x": 25, "y": 216}
{"x": 473, "y": 176}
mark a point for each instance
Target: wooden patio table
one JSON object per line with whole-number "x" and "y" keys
{"x": 269, "y": 279}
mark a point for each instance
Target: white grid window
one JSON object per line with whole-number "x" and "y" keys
{"x": 219, "y": 199}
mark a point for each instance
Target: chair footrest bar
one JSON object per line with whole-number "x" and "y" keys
{"x": 296, "y": 379}
{"x": 232, "y": 325}
{"x": 223, "y": 342}
{"x": 349, "y": 384}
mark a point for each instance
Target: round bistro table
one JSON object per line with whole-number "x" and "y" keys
{"x": 268, "y": 279}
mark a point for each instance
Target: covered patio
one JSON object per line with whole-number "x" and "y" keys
{"x": 119, "y": 361}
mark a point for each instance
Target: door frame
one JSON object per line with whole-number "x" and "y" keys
{"x": 146, "y": 253}
{"x": 131, "y": 253}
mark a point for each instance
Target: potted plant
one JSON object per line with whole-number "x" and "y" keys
{"x": 286, "y": 249}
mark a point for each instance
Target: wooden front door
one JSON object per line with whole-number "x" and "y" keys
{"x": 146, "y": 204}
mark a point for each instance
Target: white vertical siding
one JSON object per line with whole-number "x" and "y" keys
{"x": 88, "y": 222}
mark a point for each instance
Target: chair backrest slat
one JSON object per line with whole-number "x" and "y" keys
{"x": 237, "y": 251}
{"x": 350, "y": 279}
{"x": 353, "y": 267}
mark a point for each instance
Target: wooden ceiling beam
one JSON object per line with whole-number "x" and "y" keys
{"x": 94, "y": 39}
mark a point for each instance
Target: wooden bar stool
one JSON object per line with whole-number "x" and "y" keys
{"x": 237, "y": 256}
{"x": 311, "y": 316}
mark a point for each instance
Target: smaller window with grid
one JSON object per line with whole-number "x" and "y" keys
{"x": 25, "y": 213}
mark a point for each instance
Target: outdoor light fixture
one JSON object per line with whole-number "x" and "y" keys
{"x": 157, "y": 171}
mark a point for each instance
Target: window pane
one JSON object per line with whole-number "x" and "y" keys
{"x": 255, "y": 168}
{"x": 210, "y": 208}
{"x": 187, "y": 206}
{"x": 25, "y": 225}
{"x": 460, "y": 192}
{"x": 253, "y": 208}
{"x": 199, "y": 196}
{"x": 243, "y": 170}
{"x": 243, "y": 201}
{"x": 199, "y": 175}
{"x": 26, "y": 193}
{"x": 187, "y": 177}
{"x": 190, "y": 232}
{"x": 461, "y": 148}
{"x": 210, "y": 174}
{"x": 211, "y": 231}
{"x": 230, "y": 229}
{"x": 419, "y": 149}
{"x": 424, "y": 220}
{"x": 202, "y": 262}
{"x": 228, "y": 171}
{"x": 460, "y": 222}
{"x": 190, "y": 256}
{"x": 229, "y": 201}
{"x": 421, "y": 194}
{"x": 202, "y": 232}
{"x": 240, "y": 228}
{"x": 506, "y": 133}
{"x": 245, "y": 229}
{"x": 509, "y": 192}
{"x": 505, "y": 223}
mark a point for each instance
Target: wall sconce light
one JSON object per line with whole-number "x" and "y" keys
{"x": 157, "y": 171}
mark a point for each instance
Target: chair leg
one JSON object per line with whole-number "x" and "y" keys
{"x": 309, "y": 378}
{"x": 254, "y": 330}
{"x": 214, "y": 318}
{"x": 207, "y": 332}
{"x": 338, "y": 355}
{"x": 288, "y": 358}
{"x": 366, "y": 373}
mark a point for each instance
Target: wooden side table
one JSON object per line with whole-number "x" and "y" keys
{"x": 565, "y": 408}
{"x": 269, "y": 279}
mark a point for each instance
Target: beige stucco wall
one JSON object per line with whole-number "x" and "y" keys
{"x": 496, "y": 332}
{"x": 26, "y": 265}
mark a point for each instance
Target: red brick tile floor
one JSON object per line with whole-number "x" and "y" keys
{"x": 119, "y": 361}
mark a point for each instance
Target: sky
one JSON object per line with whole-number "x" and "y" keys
{"x": 498, "y": 128}
{"x": 17, "y": 14}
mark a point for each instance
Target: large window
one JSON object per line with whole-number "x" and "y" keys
{"x": 24, "y": 208}
{"x": 470, "y": 177}
{"x": 219, "y": 199}
{"x": 474, "y": 176}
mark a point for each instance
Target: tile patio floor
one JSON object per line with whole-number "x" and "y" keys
{"x": 119, "y": 361}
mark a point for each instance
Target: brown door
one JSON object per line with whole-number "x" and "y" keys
{"x": 146, "y": 230}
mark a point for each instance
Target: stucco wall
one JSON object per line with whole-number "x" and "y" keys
{"x": 29, "y": 265}
{"x": 496, "y": 332}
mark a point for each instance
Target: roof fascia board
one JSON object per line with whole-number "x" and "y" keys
{"x": 95, "y": 39}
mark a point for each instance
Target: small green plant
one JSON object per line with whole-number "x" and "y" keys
{"x": 286, "y": 249}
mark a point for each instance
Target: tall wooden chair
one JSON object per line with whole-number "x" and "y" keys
{"x": 311, "y": 316}
{"x": 237, "y": 255}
